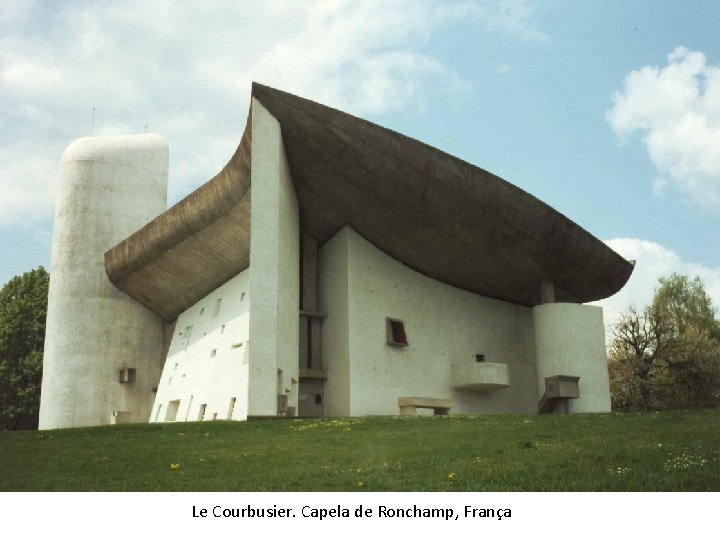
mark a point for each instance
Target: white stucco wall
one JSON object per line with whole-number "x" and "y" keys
{"x": 109, "y": 187}
{"x": 335, "y": 341}
{"x": 444, "y": 325}
{"x": 570, "y": 340}
{"x": 207, "y": 364}
{"x": 274, "y": 270}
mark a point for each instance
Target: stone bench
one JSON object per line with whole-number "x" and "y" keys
{"x": 410, "y": 405}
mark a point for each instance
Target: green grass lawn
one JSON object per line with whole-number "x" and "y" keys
{"x": 669, "y": 451}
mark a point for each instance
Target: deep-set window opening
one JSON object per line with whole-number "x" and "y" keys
{"x": 396, "y": 332}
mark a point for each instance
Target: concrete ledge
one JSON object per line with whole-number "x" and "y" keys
{"x": 562, "y": 386}
{"x": 318, "y": 374}
{"x": 480, "y": 376}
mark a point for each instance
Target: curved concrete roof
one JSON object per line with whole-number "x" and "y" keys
{"x": 437, "y": 214}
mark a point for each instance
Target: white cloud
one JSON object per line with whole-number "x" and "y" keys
{"x": 514, "y": 18}
{"x": 184, "y": 69}
{"x": 652, "y": 262}
{"x": 14, "y": 11}
{"x": 677, "y": 110}
{"x": 26, "y": 184}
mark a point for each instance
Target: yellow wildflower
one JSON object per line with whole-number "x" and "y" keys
{"x": 174, "y": 466}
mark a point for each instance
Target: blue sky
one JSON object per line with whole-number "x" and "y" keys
{"x": 607, "y": 110}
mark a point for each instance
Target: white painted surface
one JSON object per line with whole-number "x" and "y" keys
{"x": 570, "y": 340}
{"x": 109, "y": 187}
{"x": 335, "y": 341}
{"x": 207, "y": 363}
{"x": 274, "y": 270}
{"x": 444, "y": 326}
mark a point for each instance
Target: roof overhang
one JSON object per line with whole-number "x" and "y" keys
{"x": 437, "y": 214}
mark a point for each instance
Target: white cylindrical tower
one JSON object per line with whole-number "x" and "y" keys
{"x": 109, "y": 187}
{"x": 570, "y": 340}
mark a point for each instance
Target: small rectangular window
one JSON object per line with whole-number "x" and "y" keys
{"x": 172, "y": 410}
{"x": 395, "y": 330}
{"x": 479, "y": 357}
{"x": 213, "y": 353}
{"x": 231, "y": 408}
{"x": 186, "y": 337}
{"x": 187, "y": 412}
{"x": 127, "y": 375}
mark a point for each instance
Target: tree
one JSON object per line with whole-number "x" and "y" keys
{"x": 668, "y": 354}
{"x": 23, "y": 307}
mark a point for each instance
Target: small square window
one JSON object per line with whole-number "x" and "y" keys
{"x": 479, "y": 357}
{"x": 395, "y": 331}
{"x": 127, "y": 375}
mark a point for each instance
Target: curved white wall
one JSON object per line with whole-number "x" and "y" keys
{"x": 360, "y": 286}
{"x": 570, "y": 340}
{"x": 109, "y": 187}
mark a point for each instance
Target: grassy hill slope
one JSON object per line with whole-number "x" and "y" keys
{"x": 670, "y": 451}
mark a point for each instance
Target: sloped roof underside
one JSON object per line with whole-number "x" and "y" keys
{"x": 437, "y": 214}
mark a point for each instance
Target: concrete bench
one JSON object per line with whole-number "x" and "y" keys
{"x": 410, "y": 405}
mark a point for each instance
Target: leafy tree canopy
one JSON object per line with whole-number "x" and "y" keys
{"x": 23, "y": 307}
{"x": 668, "y": 354}
{"x": 685, "y": 305}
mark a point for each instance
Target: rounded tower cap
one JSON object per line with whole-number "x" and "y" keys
{"x": 114, "y": 148}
